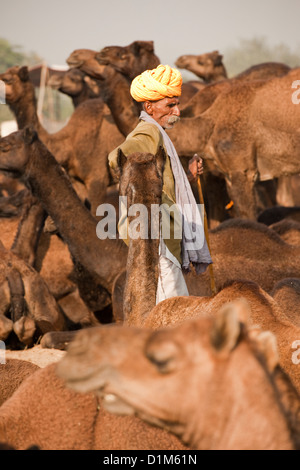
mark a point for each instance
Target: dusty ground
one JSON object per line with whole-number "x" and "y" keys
{"x": 38, "y": 355}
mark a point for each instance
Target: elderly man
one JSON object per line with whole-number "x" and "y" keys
{"x": 158, "y": 90}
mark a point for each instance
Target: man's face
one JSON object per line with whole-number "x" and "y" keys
{"x": 166, "y": 111}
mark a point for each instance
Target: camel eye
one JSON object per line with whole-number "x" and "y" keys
{"x": 4, "y": 147}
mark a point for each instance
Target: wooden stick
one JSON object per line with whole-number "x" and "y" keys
{"x": 210, "y": 267}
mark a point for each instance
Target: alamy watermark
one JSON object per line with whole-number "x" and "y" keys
{"x": 296, "y": 94}
{"x": 139, "y": 222}
{"x": 296, "y": 353}
{"x": 2, "y": 92}
{"x": 2, "y": 352}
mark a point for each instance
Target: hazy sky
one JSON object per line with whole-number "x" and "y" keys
{"x": 54, "y": 28}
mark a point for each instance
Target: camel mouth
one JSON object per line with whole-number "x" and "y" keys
{"x": 54, "y": 83}
{"x": 73, "y": 63}
{"x": 114, "y": 404}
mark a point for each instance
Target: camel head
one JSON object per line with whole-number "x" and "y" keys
{"x": 168, "y": 377}
{"x": 130, "y": 60}
{"x": 207, "y": 66}
{"x": 72, "y": 82}
{"x": 17, "y": 83}
{"x": 141, "y": 177}
{"x": 85, "y": 60}
{"x": 13, "y": 150}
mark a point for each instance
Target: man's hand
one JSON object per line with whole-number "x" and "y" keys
{"x": 195, "y": 168}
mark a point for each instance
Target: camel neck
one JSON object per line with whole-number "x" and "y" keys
{"x": 229, "y": 416}
{"x": 29, "y": 231}
{"x": 74, "y": 222}
{"x": 25, "y": 110}
{"x": 117, "y": 97}
{"x": 141, "y": 281}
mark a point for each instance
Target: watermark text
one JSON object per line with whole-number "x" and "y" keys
{"x": 296, "y": 94}
{"x": 2, "y": 92}
{"x": 2, "y": 352}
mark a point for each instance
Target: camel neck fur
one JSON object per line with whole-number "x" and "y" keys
{"x": 212, "y": 428}
{"x": 120, "y": 103}
{"x": 25, "y": 110}
{"x": 74, "y": 222}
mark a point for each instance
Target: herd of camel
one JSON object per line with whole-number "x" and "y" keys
{"x": 208, "y": 371}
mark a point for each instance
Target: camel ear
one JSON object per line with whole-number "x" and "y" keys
{"x": 160, "y": 160}
{"x": 226, "y": 329}
{"x": 266, "y": 344}
{"x": 30, "y": 135}
{"x": 217, "y": 58}
{"x": 136, "y": 46}
{"x": 121, "y": 159}
{"x": 23, "y": 73}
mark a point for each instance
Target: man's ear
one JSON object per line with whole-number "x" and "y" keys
{"x": 121, "y": 159}
{"x": 160, "y": 160}
{"x": 148, "y": 107}
{"x": 23, "y": 73}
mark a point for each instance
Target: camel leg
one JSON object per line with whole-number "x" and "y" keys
{"x": 58, "y": 339}
{"x": 117, "y": 297}
{"x": 6, "y": 327}
{"x": 241, "y": 190}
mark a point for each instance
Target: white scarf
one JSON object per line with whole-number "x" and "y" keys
{"x": 194, "y": 245}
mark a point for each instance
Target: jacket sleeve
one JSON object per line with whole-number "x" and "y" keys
{"x": 136, "y": 142}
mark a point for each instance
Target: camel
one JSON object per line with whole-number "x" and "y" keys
{"x": 210, "y": 68}
{"x": 263, "y": 310}
{"x": 12, "y": 375}
{"x": 124, "y": 110}
{"x": 287, "y": 294}
{"x": 75, "y": 84}
{"x": 96, "y": 269}
{"x": 141, "y": 182}
{"x": 26, "y": 299}
{"x": 137, "y": 57}
{"x": 81, "y": 146}
{"x": 217, "y": 382}
{"x": 276, "y": 214}
{"x": 288, "y": 230}
{"x": 43, "y": 412}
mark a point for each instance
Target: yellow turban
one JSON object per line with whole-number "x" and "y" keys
{"x": 156, "y": 84}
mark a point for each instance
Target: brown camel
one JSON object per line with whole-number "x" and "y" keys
{"x": 273, "y": 215}
{"x": 141, "y": 182}
{"x": 12, "y": 375}
{"x": 42, "y": 411}
{"x": 75, "y": 84}
{"x": 23, "y": 153}
{"x": 130, "y": 60}
{"x": 263, "y": 310}
{"x": 240, "y": 250}
{"x": 27, "y": 306}
{"x": 211, "y": 69}
{"x": 125, "y": 112}
{"x": 287, "y": 295}
{"x": 136, "y": 58}
{"x": 288, "y": 230}
{"x": 81, "y": 146}
{"x": 212, "y": 382}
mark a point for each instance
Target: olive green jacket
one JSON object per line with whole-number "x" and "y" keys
{"x": 146, "y": 138}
